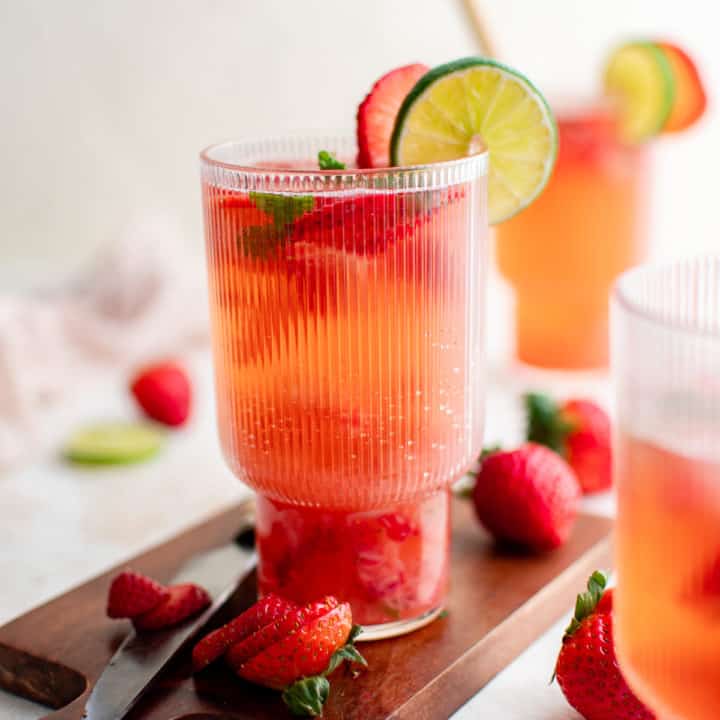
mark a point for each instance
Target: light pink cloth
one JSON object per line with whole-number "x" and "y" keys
{"x": 141, "y": 299}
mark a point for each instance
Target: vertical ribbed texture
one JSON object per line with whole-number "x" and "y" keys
{"x": 666, "y": 364}
{"x": 347, "y": 322}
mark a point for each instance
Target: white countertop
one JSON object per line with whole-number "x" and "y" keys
{"x": 62, "y": 525}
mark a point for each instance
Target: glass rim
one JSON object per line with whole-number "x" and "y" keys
{"x": 481, "y": 157}
{"x": 622, "y": 295}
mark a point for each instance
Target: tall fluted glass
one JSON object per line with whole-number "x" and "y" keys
{"x": 666, "y": 365}
{"x": 347, "y": 320}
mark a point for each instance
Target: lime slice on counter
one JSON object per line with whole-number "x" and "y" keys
{"x": 463, "y": 107}
{"x": 638, "y": 76}
{"x": 114, "y": 443}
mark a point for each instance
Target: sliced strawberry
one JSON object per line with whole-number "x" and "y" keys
{"x": 702, "y": 590}
{"x": 183, "y": 602}
{"x": 364, "y": 225}
{"x": 305, "y": 652}
{"x": 212, "y": 646}
{"x": 398, "y": 527}
{"x": 377, "y": 112}
{"x": 275, "y": 631}
{"x": 133, "y": 594}
{"x": 711, "y": 579}
{"x": 163, "y": 392}
{"x": 690, "y": 99}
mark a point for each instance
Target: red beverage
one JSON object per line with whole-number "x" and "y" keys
{"x": 347, "y": 333}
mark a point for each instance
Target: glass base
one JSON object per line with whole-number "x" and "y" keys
{"x": 398, "y": 627}
{"x": 391, "y": 564}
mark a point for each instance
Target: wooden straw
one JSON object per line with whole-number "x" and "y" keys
{"x": 480, "y": 28}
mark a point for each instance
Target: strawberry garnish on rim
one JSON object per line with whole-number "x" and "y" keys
{"x": 378, "y": 111}
{"x": 587, "y": 669}
{"x": 690, "y": 99}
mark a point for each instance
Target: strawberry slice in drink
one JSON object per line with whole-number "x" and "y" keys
{"x": 702, "y": 590}
{"x": 362, "y": 225}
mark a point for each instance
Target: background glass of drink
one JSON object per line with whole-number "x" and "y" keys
{"x": 666, "y": 364}
{"x": 564, "y": 252}
{"x": 347, "y": 320}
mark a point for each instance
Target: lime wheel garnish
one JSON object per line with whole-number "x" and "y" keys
{"x": 476, "y": 104}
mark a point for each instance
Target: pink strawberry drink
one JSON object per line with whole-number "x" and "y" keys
{"x": 347, "y": 331}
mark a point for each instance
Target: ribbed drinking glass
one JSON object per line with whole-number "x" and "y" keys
{"x": 347, "y": 321}
{"x": 666, "y": 365}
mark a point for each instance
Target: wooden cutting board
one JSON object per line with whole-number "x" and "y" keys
{"x": 499, "y": 603}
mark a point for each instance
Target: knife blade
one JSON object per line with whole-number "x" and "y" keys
{"x": 141, "y": 657}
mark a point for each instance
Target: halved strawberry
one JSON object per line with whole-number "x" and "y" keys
{"x": 133, "y": 594}
{"x": 266, "y": 610}
{"x": 377, "y": 112}
{"x": 183, "y": 602}
{"x": 275, "y": 631}
{"x": 690, "y": 100}
{"x": 302, "y": 653}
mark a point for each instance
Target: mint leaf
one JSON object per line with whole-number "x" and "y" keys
{"x": 327, "y": 161}
{"x": 307, "y": 696}
{"x": 258, "y": 241}
{"x": 285, "y": 209}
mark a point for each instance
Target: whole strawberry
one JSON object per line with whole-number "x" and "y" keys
{"x": 164, "y": 393}
{"x": 580, "y": 431}
{"x": 527, "y": 497}
{"x": 587, "y": 669}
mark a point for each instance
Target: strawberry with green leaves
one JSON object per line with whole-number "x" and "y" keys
{"x": 287, "y": 647}
{"x": 587, "y": 669}
{"x": 577, "y": 429}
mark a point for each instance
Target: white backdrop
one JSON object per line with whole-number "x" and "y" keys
{"x": 106, "y": 103}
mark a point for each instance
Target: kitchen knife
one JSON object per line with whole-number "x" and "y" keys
{"x": 142, "y": 656}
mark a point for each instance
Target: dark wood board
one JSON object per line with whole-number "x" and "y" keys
{"x": 499, "y": 603}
